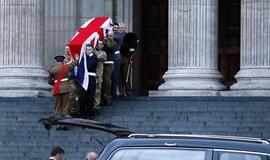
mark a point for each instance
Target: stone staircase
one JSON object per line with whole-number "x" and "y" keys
{"x": 23, "y": 138}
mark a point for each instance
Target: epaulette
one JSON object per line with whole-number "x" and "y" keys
{"x": 51, "y": 67}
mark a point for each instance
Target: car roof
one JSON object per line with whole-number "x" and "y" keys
{"x": 190, "y": 142}
{"x": 127, "y": 138}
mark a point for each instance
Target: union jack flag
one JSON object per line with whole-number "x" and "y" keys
{"x": 89, "y": 33}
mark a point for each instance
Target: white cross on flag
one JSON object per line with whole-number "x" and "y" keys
{"x": 89, "y": 33}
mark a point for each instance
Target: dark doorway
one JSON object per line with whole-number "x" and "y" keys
{"x": 229, "y": 39}
{"x": 154, "y": 43}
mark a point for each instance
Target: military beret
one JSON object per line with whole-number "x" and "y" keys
{"x": 59, "y": 58}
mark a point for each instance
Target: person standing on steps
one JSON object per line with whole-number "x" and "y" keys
{"x": 110, "y": 48}
{"x": 58, "y": 77}
{"x": 101, "y": 56}
{"x": 86, "y": 97}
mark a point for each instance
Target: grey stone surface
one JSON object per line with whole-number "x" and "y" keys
{"x": 108, "y": 4}
{"x": 193, "y": 49}
{"x": 125, "y": 13}
{"x": 246, "y": 93}
{"x": 253, "y": 77}
{"x": 86, "y": 9}
{"x": 21, "y": 45}
{"x": 59, "y": 27}
{"x": 22, "y": 137}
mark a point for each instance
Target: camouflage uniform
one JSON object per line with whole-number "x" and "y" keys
{"x": 106, "y": 93}
{"x": 102, "y": 56}
{"x": 74, "y": 94}
{"x": 74, "y": 99}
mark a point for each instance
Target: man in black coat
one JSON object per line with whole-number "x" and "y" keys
{"x": 128, "y": 48}
{"x": 57, "y": 153}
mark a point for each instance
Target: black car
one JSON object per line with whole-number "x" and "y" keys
{"x": 130, "y": 146}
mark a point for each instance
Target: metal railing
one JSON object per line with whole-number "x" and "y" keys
{"x": 214, "y": 137}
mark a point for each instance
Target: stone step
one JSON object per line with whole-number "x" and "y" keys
{"x": 22, "y": 137}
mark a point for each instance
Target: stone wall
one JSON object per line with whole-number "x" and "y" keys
{"x": 22, "y": 137}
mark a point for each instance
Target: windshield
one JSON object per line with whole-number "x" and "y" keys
{"x": 158, "y": 154}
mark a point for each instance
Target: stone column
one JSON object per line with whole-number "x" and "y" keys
{"x": 253, "y": 79}
{"x": 59, "y": 27}
{"x": 193, "y": 50}
{"x": 125, "y": 13}
{"x": 87, "y": 9}
{"x": 21, "y": 56}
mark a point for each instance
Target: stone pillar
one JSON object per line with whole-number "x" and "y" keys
{"x": 59, "y": 27}
{"x": 87, "y": 9}
{"x": 125, "y": 13}
{"x": 253, "y": 79}
{"x": 193, "y": 50}
{"x": 21, "y": 45}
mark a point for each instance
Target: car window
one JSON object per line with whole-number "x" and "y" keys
{"x": 158, "y": 154}
{"x": 239, "y": 156}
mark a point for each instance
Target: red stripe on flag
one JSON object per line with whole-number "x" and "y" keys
{"x": 84, "y": 33}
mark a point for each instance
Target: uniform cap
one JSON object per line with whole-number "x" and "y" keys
{"x": 59, "y": 58}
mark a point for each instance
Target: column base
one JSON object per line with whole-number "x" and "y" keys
{"x": 23, "y": 82}
{"x": 190, "y": 82}
{"x": 252, "y": 82}
{"x": 24, "y": 93}
{"x": 189, "y": 93}
{"x": 246, "y": 93}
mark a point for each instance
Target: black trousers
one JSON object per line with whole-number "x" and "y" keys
{"x": 86, "y": 99}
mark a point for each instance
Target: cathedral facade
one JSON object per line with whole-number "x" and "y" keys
{"x": 187, "y": 48}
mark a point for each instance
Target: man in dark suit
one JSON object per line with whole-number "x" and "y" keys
{"x": 57, "y": 153}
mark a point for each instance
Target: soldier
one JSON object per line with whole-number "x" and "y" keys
{"x": 86, "y": 97}
{"x": 58, "y": 77}
{"x": 117, "y": 61}
{"x": 128, "y": 48}
{"x": 101, "y": 56}
{"x": 109, "y": 47}
{"x": 74, "y": 94}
